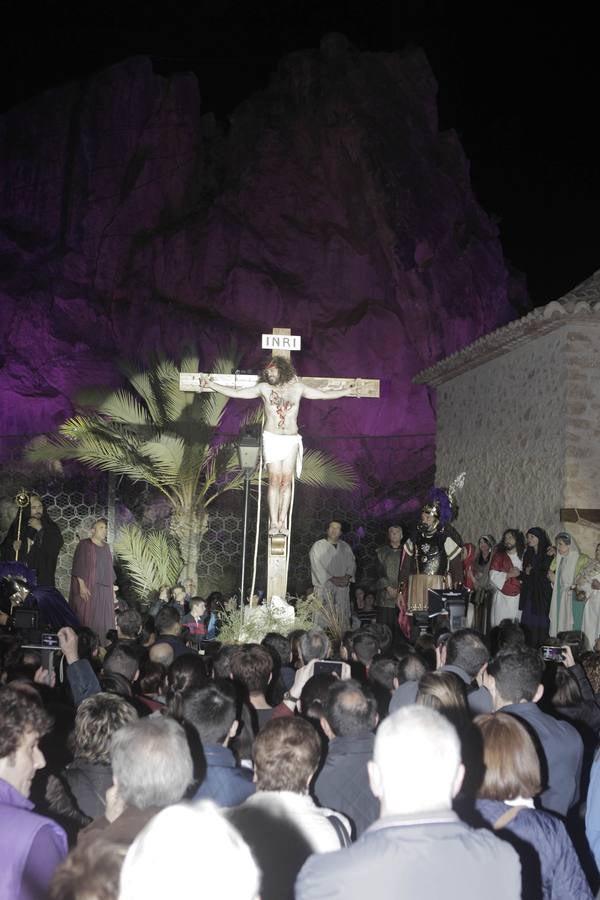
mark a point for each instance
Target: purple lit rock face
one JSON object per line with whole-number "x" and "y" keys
{"x": 132, "y": 225}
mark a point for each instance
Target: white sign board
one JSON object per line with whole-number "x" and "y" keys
{"x": 281, "y": 341}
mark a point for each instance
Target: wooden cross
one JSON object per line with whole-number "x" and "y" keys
{"x": 283, "y": 345}
{"x": 280, "y": 343}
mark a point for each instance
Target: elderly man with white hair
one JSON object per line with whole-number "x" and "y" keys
{"x": 192, "y": 834}
{"x": 152, "y": 768}
{"x": 418, "y": 847}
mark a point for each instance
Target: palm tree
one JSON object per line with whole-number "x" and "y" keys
{"x": 154, "y": 433}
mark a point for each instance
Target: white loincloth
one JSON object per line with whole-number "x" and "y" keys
{"x": 277, "y": 447}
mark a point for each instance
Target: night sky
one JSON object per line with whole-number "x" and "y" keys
{"x": 519, "y": 82}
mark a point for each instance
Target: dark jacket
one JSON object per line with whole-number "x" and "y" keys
{"x": 343, "y": 783}
{"x": 225, "y": 783}
{"x": 179, "y": 647}
{"x": 479, "y": 699}
{"x": 425, "y": 857}
{"x": 82, "y": 680}
{"x": 123, "y": 830}
{"x": 89, "y": 783}
{"x": 550, "y": 867}
{"x": 561, "y": 755}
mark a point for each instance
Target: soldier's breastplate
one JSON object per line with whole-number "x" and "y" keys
{"x": 431, "y": 560}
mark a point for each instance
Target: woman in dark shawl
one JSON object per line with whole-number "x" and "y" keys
{"x": 39, "y": 543}
{"x": 536, "y": 589}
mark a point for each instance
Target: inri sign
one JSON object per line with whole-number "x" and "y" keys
{"x": 281, "y": 341}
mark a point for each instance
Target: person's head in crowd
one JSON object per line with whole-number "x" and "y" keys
{"x": 513, "y": 541}
{"x": 445, "y": 692}
{"x": 347, "y": 644}
{"x": 384, "y": 636}
{"x": 314, "y": 695}
{"x": 566, "y": 693}
{"x": 190, "y": 586}
{"x": 215, "y": 601}
{"x": 508, "y": 635}
{"x": 122, "y": 660}
{"x": 411, "y": 668}
{"x": 515, "y": 676}
{"x": 164, "y": 592}
{"x": 441, "y": 635}
{"x": 429, "y": 748}
{"x": 162, "y": 654}
{"x": 91, "y": 871}
{"x": 177, "y": 833}
{"x": 485, "y": 545}
{"x": 425, "y": 647}
{"x": 287, "y": 752}
{"x": 143, "y": 756}
{"x": 359, "y": 597}
{"x": 197, "y": 607}
{"x": 113, "y": 683}
{"x": 591, "y": 665}
{"x": 384, "y": 673}
{"x": 129, "y": 625}
{"x": 511, "y": 763}
{"x": 178, "y": 594}
{"x": 314, "y": 644}
{"x": 98, "y": 718}
{"x": 365, "y": 648}
{"x": 184, "y": 674}
{"x": 294, "y": 639}
{"x": 280, "y": 644}
{"x": 466, "y": 650}
{"x": 88, "y": 643}
{"x": 23, "y": 721}
{"x": 350, "y": 710}
{"x": 212, "y": 711}
{"x": 252, "y": 666}
{"x": 222, "y": 661}
{"x": 168, "y": 621}
{"x": 152, "y": 678}
{"x": 369, "y": 601}
{"x": 148, "y": 635}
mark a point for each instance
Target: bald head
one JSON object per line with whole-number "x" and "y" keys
{"x": 350, "y": 709}
{"x": 430, "y": 750}
{"x": 162, "y": 653}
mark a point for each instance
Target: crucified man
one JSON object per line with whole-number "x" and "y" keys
{"x": 281, "y": 390}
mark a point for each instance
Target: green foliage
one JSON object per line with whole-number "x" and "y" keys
{"x": 238, "y": 629}
{"x": 151, "y": 558}
{"x": 310, "y": 613}
{"x": 152, "y": 432}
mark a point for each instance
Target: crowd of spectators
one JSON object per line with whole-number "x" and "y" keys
{"x": 456, "y": 764}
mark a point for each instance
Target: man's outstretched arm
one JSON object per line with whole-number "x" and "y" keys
{"x": 246, "y": 393}
{"x": 313, "y": 393}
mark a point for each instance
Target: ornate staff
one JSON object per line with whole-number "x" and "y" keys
{"x": 22, "y": 500}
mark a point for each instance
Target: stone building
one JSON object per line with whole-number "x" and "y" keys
{"x": 519, "y": 411}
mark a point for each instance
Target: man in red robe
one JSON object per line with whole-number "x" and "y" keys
{"x": 92, "y": 579}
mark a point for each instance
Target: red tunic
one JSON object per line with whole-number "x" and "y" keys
{"x": 501, "y": 562}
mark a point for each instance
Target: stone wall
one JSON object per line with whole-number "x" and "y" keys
{"x": 503, "y": 422}
{"x": 582, "y": 482}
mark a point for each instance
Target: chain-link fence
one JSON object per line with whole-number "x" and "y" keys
{"x": 393, "y": 474}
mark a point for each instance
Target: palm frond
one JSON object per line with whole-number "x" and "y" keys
{"x": 150, "y": 559}
{"x": 142, "y": 382}
{"x": 322, "y": 470}
{"x": 213, "y": 405}
{"x": 124, "y": 407}
{"x": 166, "y": 454}
{"x": 166, "y": 379}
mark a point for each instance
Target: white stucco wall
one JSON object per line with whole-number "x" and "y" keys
{"x": 504, "y": 423}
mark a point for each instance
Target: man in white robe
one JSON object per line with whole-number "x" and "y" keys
{"x": 333, "y": 567}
